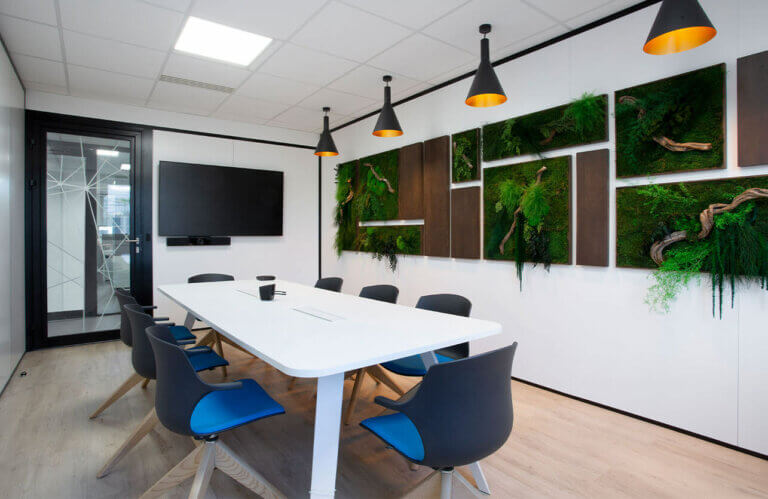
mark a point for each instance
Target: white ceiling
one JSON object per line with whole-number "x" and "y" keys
{"x": 326, "y": 52}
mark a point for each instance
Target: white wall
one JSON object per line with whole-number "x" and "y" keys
{"x": 292, "y": 256}
{"x": 12, "y": 311}
{"x": 586, "y": 331}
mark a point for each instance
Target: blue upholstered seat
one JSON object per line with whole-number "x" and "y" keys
{"x": 413, "y": 365}
{"x": 202, "y": 360}
{"x": 222, "y": 410}
{"x": 182, "y": 335}
{"x": 399, "y": 432}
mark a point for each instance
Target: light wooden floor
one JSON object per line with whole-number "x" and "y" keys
{"x": 559, "y": 447}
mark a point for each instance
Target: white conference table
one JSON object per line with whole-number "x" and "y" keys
{"x": 313, "y": 333}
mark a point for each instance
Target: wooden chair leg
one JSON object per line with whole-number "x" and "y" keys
{"x": 146, "y": 425}
{"x": 360, "y": 375}
{"x": 145, "y": 383}
{"x": 220, "y": 348}
{"x": 228, "y": 462}
{"x": 185, "y": 469}
{"x": 133, "y": 380}
{"x": 204, "y": 471}
{"x": 379, "y": 373}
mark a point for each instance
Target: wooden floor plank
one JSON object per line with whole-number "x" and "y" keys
{"x": 559, "y": 447}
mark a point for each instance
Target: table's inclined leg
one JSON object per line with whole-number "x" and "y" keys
{"x": 189, "y": 321}
{"x": 325, "y": 452}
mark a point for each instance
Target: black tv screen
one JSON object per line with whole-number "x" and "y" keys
{"x": 205, "y": 200}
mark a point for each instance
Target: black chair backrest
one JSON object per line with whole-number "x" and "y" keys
{"x": 125, "y": 298}
{"x": 380, "y": 292}
{"x": 178, "y": 387}
{"x": 330, "y": 283}
{"x": 463, "y": 409}
{"x": 448, "y": 304}
{"x": 142, "y": 357}
{"x": 210, "y": 278}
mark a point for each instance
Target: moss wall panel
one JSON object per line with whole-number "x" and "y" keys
{"x": 555, "y": 225}
{"x": 583, "y": 121}
{"x": 465, "y": 153}
{"x": 644, "y": 216}
{"x": 345, "y": 217}
{"x": 684, "y": 112}
{"x": 378, "y": 177}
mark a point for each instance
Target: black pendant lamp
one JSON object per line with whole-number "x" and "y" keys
{"x": 387, "y": 124}
{"x": 680, "y": 25}
{"x": 486, "y": 90}
{"x": 325, "y": 146}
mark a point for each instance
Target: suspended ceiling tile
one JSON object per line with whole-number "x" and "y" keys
{"x": 511, "y": 21}
{"x": 94, "y": 83}
{"x": 28, "y": 38}
{"x": 38, "y": 70}
{"x": 43, "y": 11}
{"x": 273, "y": 88}
{"x": 342, "y": 103}
{"x": 185, "y": 99}
{"x": 127, "y": 21}
{"x": 108, "y": 55}
{"x": 300, "y": 64}
{"x": 414, "y": 14}
{"x": 599, "y": 13}
{"x": 179, "y": 5}
{"x": 240, "y": 108}
{"x": 420, "y": 57}
{"x": 349, "y": 32}
{"x": 193, "y": 68}
{"x": 46, "y": 88}
{"x": 302, "y": 119}
{"x": 367, "y": 81}
{"x": 273, "y": 19}
{"x": 562, "y": 10}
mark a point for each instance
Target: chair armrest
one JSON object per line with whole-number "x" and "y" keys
{"x": 186, "y": 342}
{"x": 161, "y": 319}
{"x": 234, "y": 385}
{"x": 169, "y": 324}
{"x": 197, "y": 350}
{"x": 149, "y": 307}
{"x": 388, "y": 403}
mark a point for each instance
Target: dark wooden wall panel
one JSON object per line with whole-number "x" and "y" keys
{"x": 592, "y": 208}
{"x": 437, "y": 197}
{"x": 465, "y": 222}
{"x": 411, "y": 182}
{"x": 753, "y": 109}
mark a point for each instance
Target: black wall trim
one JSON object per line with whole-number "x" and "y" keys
{"x": 646, "y": 420}
{"x": 512, "y": 57}
{"x": 231, "y": 137}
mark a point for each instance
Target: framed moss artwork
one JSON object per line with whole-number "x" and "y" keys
{"x": 527, "y": 212}
{"x": 377, "y": 197}
{"x": 345, "y": 217}
{"x": 390, "y": 241}
{"x": 672, "y": 125}
{"x": 717, "y": 229}
{"x": 583, "y": 121}
{"x": 465, "y": 151}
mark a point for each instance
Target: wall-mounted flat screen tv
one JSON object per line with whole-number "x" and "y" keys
{"x": 205, "y": 200}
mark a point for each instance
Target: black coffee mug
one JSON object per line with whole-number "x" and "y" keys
{"x": 268, "y": 292}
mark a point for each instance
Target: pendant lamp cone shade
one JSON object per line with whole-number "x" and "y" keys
{"x": 486, "y": 89}
{"x": 325, "y": 146}
{"x": 680, "y": 25}
{"x": 387, "y": 124}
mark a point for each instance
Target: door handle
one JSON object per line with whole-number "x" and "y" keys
{"x": 137, "y": 240}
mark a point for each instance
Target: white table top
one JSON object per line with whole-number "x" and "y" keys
{"x": 360, "y": 332}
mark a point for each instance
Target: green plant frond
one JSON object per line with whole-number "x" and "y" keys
{"x": 535, "y": 205}
{"x": 510, "y": 193}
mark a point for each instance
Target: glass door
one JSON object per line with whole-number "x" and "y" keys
{"x": 89, "y": 224}
{"x": 88, "y": 231}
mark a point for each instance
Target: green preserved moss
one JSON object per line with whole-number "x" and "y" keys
{"x": 543, "y": 220}
{"x": 389, "y": 242}
{"x": 583, "y": 121}
{"x": 375, "y": 200}
{"x": 345, "y": 217}
{"x": 646, "y": 214}
{"x": 684, "y": 108}
{"x": 465, "y": 147}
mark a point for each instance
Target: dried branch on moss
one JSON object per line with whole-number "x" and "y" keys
{"x": 380, "y": 178}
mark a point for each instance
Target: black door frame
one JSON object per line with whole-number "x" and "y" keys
{"x": 37, "y": 124}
